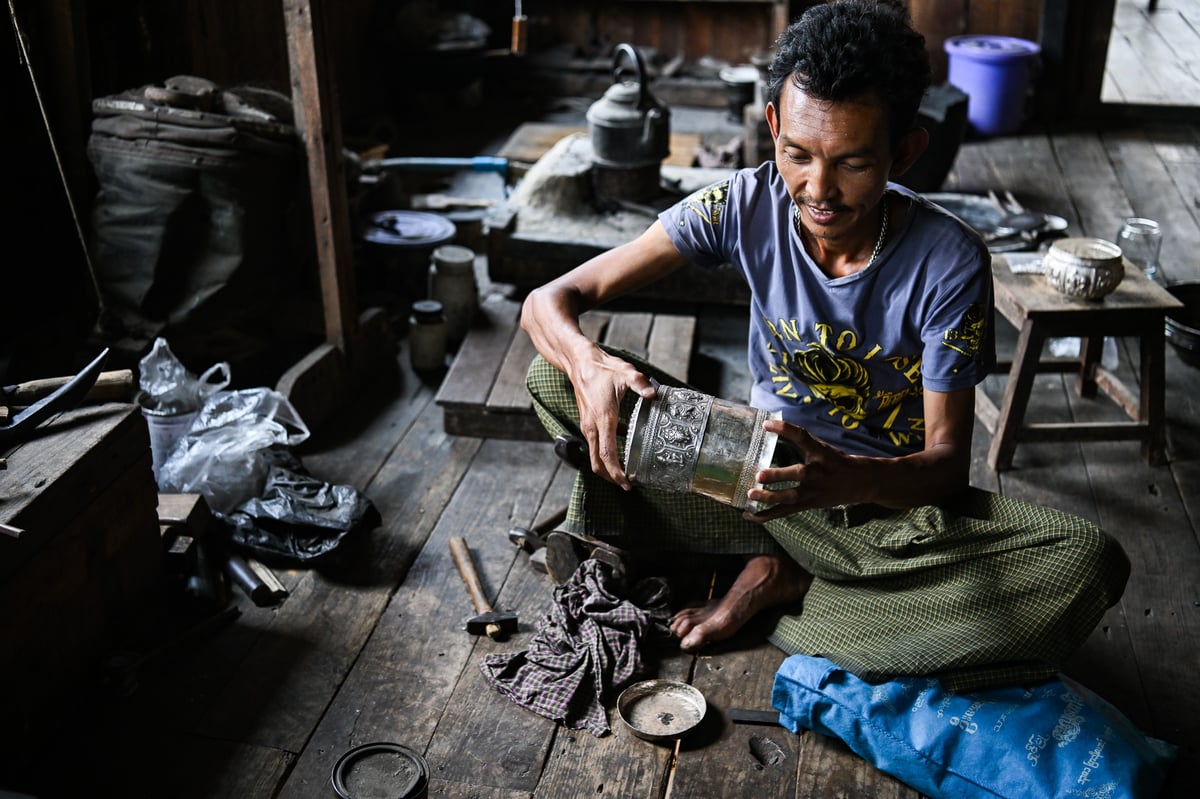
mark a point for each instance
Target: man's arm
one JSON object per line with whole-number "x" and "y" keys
{"x": 830, "y": 477}
{"x": 550, "y": 315}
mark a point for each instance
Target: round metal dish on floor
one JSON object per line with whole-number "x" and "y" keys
{"x": 661, "y": 710}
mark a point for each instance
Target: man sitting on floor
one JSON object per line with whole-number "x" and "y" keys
{"x": 870, "y": 325}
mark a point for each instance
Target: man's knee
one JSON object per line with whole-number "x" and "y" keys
{"x": 1102, "y": 559}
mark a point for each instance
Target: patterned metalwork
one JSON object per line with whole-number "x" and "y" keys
{"x": 685, "y": 441}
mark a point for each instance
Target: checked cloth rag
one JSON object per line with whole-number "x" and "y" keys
{"x": 588, "y": 646}
{"x": 980, "y": 591}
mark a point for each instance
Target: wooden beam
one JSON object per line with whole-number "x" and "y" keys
{"x": 314, "y": 101}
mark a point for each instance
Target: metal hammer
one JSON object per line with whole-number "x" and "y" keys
{"x": 495, "y": 624}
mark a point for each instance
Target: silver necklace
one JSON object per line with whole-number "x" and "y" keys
{"x": 883, "y": 229}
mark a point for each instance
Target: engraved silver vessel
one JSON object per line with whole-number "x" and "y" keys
{"x": 685, "y": 441}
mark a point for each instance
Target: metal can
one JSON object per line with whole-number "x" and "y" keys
{"x": 381, "y": 769}
{"x": 427, "y": 336}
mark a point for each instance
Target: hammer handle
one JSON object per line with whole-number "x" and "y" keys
{"x": 466, "y": 567}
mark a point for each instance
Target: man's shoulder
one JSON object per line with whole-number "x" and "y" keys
{"x": 937, "y": 229}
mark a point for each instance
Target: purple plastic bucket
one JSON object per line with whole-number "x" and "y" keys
{"x": 995, "y": 73}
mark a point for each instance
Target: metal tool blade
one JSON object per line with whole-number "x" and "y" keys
{"x": 66, "y": 397}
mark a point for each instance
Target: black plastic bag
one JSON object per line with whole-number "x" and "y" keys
{"x": 298, "y": 520}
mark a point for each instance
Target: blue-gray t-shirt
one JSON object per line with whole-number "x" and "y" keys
{"x": 847, "y": 358}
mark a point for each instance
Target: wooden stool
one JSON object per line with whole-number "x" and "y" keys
{"x": 1137, "y": 307}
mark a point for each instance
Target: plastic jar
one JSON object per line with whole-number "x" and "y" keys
{"x": 452, "y": 283}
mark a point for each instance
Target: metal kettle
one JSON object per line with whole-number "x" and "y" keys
{"x": 629, "y": 127}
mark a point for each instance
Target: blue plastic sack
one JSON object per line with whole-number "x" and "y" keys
{"x": 1053, "y": 739}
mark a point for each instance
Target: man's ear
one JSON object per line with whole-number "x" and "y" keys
{"x": 773, "y": 120}
{"x": 911, "y": 145}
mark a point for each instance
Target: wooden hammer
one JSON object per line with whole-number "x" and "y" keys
{"x": 495, "y": 624}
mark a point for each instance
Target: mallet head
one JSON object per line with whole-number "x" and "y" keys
{"x": 495, "y": 624}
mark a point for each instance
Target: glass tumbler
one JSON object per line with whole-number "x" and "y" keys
{"x": 1140, "y": 241}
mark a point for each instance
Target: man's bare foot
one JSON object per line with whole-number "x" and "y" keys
{"x": 764, "y": 582}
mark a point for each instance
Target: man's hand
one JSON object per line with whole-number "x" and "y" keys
{"x": 600, "y": 384}
{"x": 550, "y": 315}
{"x": 824, "y": 477}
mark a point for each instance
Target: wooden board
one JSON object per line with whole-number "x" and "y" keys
{"x": 484, "y": 391}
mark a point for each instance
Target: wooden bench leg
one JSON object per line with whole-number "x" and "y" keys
{"x": 1090, "y": 350}
{"x": 1152, "y": 407}
{"x": 1016, "y": 396}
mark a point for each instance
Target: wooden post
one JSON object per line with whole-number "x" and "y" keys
{"x": 355, "y": 346}
{"x": 315, "y": 104}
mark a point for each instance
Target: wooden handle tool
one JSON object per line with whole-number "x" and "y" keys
{"x": 496, "y": 625}
{"x": 114, "y": 386}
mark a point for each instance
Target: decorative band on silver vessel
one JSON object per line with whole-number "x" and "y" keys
{"x": 685, "y": 441}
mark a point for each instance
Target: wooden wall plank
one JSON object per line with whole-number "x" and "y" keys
{"x": 729, "y": 31}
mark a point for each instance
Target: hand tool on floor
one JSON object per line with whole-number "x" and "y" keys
{"x": 257, "y": 581}
{"x": 532, "y": 540}
{"x": 63, "y": 398}
{"x": 497, "y": 625}
{"x": 742, "y": 715}
{"x": 115, "y": 386}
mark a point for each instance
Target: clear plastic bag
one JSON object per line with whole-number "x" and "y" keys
{"x": 169, "y": 388}
{"x": 224, "y": 455}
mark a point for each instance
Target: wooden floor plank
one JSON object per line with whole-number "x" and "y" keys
{"x": 508, "y": 391}
{"x": 747, "y": 760}
{"x": 479, "y": 359}
{"x": 631, "y": 332}
{"x": 372, "y": 651}
{"x": 375, "y": 423}
{"x": 825, "y": 762}
{"x": 293, "y": 671}
{"x": 407, "y": 672}
{"x": 672, "y": 344}
{"x": 1155, "y": 194}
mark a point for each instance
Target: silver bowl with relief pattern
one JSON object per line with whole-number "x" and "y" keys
{"x": 686, "y": 441}
{"x": 1084, "y": 267}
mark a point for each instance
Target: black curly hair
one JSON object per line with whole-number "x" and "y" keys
{"x": 844, "y": 49}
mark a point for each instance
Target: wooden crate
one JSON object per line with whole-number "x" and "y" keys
{"x": 85, "y": 575}
{"x": 484, "y": 391}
